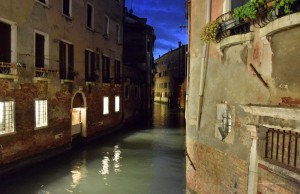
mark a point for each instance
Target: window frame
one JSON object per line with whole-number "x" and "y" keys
{"x": 106, "y": 69}
{"x": 92, "y": 19}
{"x": 46, "y": 3}
{"x": 90, "y": 64}
{"x": 66, "y": 61}
{"x": 70, "y": 9}
{"x": 13, "y": 39}
{"x": 106, "y": 26}
{"x": 45, "y": 122}
{"x": 12, "y": 115}
{"x": 46, "y": 48}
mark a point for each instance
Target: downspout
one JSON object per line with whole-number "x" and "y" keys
{"x": 203, "y": 68}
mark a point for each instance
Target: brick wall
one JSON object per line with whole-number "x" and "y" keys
{"x": 217, "y": 172}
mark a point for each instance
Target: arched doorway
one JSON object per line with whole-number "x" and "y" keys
{"x": 78, "y": 114}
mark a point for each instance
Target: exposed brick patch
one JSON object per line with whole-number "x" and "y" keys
{"x": 290, "y": 101}
{"x": 217, "y": 172}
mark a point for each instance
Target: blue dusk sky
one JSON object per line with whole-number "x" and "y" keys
{"x": 166, "y": 17}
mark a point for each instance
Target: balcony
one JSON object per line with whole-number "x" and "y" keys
{"x": 228, "y": 26}
{"x": 10, "y": 70}
{"x": 43, "y": 74}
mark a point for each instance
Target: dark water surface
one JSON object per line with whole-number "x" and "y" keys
{"x": 148, "y": 159}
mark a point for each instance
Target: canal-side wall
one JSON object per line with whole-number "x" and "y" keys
{"x": 246, "y": 85}
{"x": 28, "y": 142}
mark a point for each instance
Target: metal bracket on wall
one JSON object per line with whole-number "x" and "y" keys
{"x": 191, "y": 162}
{"x": 259, "y": 76}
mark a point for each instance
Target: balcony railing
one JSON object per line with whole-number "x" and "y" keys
{"x": 282, "y": 148}
{"x": 44, "y": 72}
{"x": 229, "y": 26}
{"x": 8, "y": 68}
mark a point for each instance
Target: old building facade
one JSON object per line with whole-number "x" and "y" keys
{"x": 242, "y": 109}
{"x": 61, "y": 66}
{"x": 170, "y": 76}
{"x": 139, "y": 38}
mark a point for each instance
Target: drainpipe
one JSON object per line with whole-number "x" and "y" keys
{"x": 203, "y": 68}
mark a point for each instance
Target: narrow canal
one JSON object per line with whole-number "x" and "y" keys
{"x": 148, "y": 159}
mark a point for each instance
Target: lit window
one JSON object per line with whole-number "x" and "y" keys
{"x": 41, "y": 113}
{"x": 105, "y": 105}
{"x": 117, "y": 103}
{"x": 7, "y": 117}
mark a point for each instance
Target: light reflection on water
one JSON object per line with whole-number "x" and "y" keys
{"x": 148, "y": 160}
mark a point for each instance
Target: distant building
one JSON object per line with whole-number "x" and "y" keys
{"x": 61, "y": 70}
{"x": 169, "y": 78}
{"x": 139, "y": 40}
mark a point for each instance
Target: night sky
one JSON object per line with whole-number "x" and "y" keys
{"x": 166, "y": 16}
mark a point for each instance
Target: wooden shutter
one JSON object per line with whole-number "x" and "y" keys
{"x": 86, "y": 53}
{"x": 93, "y": 77}
{"x": 71, "y": 62}
{"x": 39, "y": 50}
{"x": 62, "y": 60}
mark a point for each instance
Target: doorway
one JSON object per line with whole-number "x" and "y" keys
{"x": 78, "y": 112}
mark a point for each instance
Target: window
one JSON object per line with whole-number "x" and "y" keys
{"x": 106, "y": 26}
{"x": 117, "y": 103}
{"x": 45, "y": 2}
{"x": 67, "y": 7}
{"x": 66, "y": 61}
{"x": 5, "y": 39}
{"x": 136, "y": 92}
{"x": 41, "y": 113}
{"x": 118, "y": 34}
{"x": 106, "y": 69}
{"x": 39, "y": 50}
{"x": 127, "y": 92}
{"x": 105, "y": 105}
{"x": 117, "y": 72}
{"x": 90, "y": 16}
{"x": 7, "y": 121}
{"x": 90, "y": 66}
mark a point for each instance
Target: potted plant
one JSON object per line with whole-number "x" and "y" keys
{"x": 245, "y": 12}
{"x": 209, "y": 32}
{"x": 284, "y": 5}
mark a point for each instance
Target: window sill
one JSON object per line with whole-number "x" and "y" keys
{"x": 41, "y": 79}
{"x": 90, "y": 29}
{"x": 283, "y": 172}
{"x": 4, "y": 134}
{"x": 46, "y": 5}
{"x": 106, "y": 36}
{"x": 89, "y": 83}
{"x": 69, "y": 18}
{"x": 9, "y": 76}
{"x": 42, "y": 127}
{"x": 62, "y": 81}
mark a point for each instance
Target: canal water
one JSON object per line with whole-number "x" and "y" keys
{"x": 148, "y": 159}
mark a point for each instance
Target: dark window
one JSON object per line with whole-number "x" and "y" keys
{"x": 66, "y": 61}
{"x": 127, "y": 92}
{"x": 5, "y": 44}
{"x": 39, "y": 50}
{"x": 106, "y": 26}
{"x": 90, "y": 14}
{"x": 117, "y": 72}
{"x": 43, "y": 1}
{"x": 106, "y": 69}
{"x": 237, "y": 3}
{"x": 90, "y": 66}
{"x": 67, "y": 7}
{"x": 97, "y": 61}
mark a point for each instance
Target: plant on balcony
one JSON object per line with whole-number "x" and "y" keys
{"x": 283, "y": 4}
{"x": 209, "y": 32}
{"x": 247, "y": 11}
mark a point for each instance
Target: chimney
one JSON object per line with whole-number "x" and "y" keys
{"x": 179, "y": 44}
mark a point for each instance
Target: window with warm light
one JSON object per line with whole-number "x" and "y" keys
{"x": 7, "y": 122}
{"x": 117, "y": 103}
{"x": 105, "y": 105}
{"x": 41, "y": 113}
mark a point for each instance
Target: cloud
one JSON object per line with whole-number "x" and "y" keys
{"x": 166, "y": 17}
